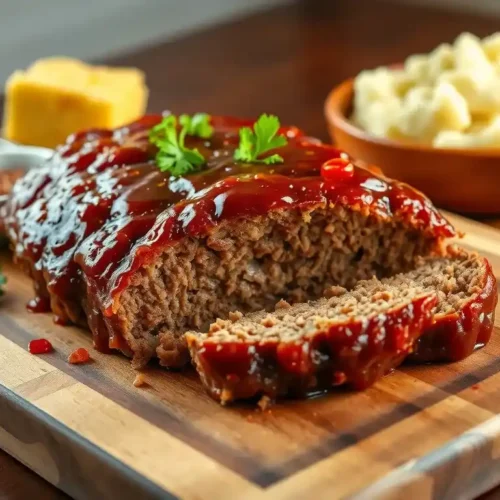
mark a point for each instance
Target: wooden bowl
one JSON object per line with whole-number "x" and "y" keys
{"x": 463, "y": 180}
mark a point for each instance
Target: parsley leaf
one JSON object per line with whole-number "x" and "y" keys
{"x": 173, "y": 156}
{"x": 254, "y": 143}
{"x": 198, "y": 125}
{"x": 3, "y": 280}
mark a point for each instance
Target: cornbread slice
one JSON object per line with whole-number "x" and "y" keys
{"x": 58, "y": 96}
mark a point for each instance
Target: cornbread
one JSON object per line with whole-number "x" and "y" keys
{"x": 58, "y": 96}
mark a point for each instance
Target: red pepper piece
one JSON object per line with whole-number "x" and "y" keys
{"x": 337, "y": 169}
{"x": 79, "y": 356}
{"x": 40, "y": 346}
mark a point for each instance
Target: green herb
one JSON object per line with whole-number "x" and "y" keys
{"x": 173, "y": 156}
{"x": 3, "y": 280}
{"x": 197, "y": 125}
{"x": 256, "y": 142}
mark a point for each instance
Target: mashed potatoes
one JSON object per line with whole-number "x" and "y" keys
{"x": 449, "y": 98}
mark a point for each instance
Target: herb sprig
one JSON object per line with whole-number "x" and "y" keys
{"x": 260, "y": 140}
{"x": 3, "y": 280}
{"x": 173, "y": 156}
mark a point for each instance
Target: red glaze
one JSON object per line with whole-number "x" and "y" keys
{"x": 40, "y": 346}
{"x": 453, "y": 337}
{"x": 100, "y": 208}
{"x": 38, "y": 305}
{"x": 79, "y": 356}
{"x": 357, "y": 353}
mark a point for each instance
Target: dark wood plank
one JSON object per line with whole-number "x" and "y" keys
{"x": 18, "y": 482}
{"x": 284, "y": 61}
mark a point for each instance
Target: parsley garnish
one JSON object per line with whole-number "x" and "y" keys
{"x": 198, "y": 125}
{"x": 3, "y": 280}
{"x": 254, "y": 143}
{"x": 173, "y": 156}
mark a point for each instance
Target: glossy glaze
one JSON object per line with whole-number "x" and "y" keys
{"x": 100, "y": 208}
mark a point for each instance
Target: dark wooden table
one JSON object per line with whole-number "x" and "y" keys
{"x": 283, "y": 61}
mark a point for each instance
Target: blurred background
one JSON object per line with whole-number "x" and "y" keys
{"x": 94, "y": 29}
{"x": 91, "y": 29}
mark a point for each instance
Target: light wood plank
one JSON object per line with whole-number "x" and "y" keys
{"x": 159, "y": 456}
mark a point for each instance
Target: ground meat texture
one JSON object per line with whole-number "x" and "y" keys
{"x": 277, "y": 354}
{"x": 354, "y": 339}
{"x": 139, "y": 256}
{"x": 252, "y": 264}
{"x": 464, "y": 317}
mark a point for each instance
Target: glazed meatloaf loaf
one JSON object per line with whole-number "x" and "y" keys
{"x": 140, "y": 255}
{"x": 441, "y": 310}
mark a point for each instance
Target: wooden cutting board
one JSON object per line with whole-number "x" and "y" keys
{"x": 423, "y": 432}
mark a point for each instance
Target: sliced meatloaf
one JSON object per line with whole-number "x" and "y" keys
{"x": 141, "y": 256}
{"x": 354, "y": 337}
{"x": 464, "y": 316}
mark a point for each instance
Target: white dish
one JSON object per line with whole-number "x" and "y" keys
{"x": 17, "y": 156}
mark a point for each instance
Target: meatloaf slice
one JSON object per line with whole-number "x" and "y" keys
{"x": 140, "y": 256}
{"x": 464, "y": 316}
{"x": 351, "y": 338}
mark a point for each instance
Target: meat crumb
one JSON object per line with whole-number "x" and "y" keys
{"x": 334, "y": 291}
{"x": 235, "y": 315}
{"x": 264, "y": 403}
{"x": 140, "y": 380}
{"x": 300, "y": 321}
{"x": 225, "y": 396}
{"x": 214, "y": 327}
{"x": 306, "y": 217}
{"x": 385, "y": 295}
{"x": 268, "y": 321}
{"x": 282, "y": 304}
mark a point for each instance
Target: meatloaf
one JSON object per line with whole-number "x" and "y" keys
{"x": 141, "y": 256}
{"x": 353, "y": 337}
{"x": 7, "y": 179}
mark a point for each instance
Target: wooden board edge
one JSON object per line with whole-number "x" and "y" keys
{"x": 65, "y": 459}
{"x": 474, "y": 457}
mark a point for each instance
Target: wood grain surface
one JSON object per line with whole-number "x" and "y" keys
{"x": 430, "y": 430}
{"x": 303, "y": 50}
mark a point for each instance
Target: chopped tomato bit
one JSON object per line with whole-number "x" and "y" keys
{"x": 337, "y": 169}
{"x": 79, "y": 356}
{"x": 40, "y": 346}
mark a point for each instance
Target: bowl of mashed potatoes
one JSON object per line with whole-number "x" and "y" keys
{"x": 433, "y": 121}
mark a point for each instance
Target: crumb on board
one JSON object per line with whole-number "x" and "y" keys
{"x": 265, "y": 402}
{"x": 140, "y": 380}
